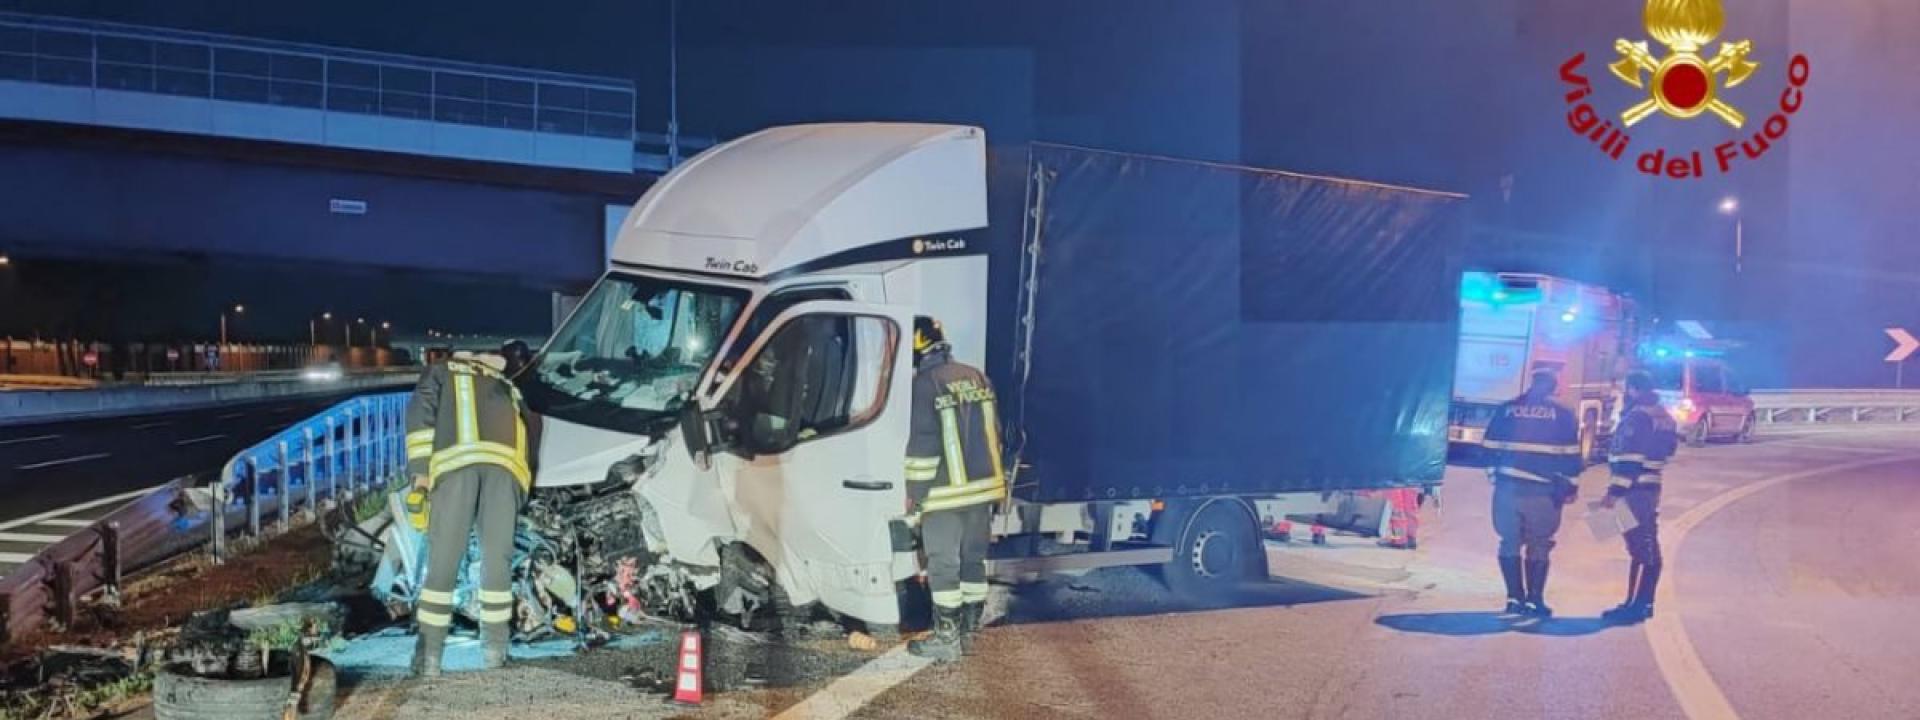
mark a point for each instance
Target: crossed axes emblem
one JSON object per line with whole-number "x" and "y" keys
{"x": 1683, "y": 83}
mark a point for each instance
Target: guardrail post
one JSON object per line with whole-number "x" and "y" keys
{"x": 221, "y": 503}
{"x": 307, "y": 475}
{"x": 284, "y": 493}
{"x": 253, "y": 497}
{"x": 6, "y": 619}
{"x": 110, "y": 557}
{"x": 333, "y": 464}
{"x": 62, "y": 592}
{"x": 353, "y": 482}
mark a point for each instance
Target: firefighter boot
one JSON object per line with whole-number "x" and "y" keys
{"x": 1649, "y": 580}
{"x": 970, "y": 625}
{"x": 1516, "y": 588}
{"x": 427, "y": 650}
{"x": 1537, "y": 590}
{"x": 493, "y": 642}
{"x": 944, "y": 644}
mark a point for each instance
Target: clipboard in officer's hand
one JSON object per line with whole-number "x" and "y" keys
{"x": 1608, "y": 523}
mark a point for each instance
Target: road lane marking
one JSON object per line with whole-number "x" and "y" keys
{"x": 230, "y": 416}
{"x": 1680, "y": 665}
{"x": 65, "y": 522}
{"x": 30, "y": 537}
{"x": 22, "y": 441}
{"x": 15, "y": 558}
{"x": 198, "y": 440}
{"x": 71, "y": 509}
{"x": 63, "y": 461}
{"x": 850, "y": 693}
{"x": 152, "y": 425}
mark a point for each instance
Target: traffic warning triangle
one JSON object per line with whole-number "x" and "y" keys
{"x": 689, "y": 683}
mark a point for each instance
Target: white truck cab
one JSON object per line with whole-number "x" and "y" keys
{"x": 771, "y": 284}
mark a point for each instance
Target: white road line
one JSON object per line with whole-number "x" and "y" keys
{"x": 15, "y": 558}
{"x": 36, "y": 438}
{"x": 65, "y": 522}
{"x": 63, "y": 461}
{"x": 230, "y": 416}
{"x": 199, "y": 440}
{"x": 152, "y": 425}
{"x": 1830, "y": 448}
{"x": 30, "y": 537}
{"x": 848, "y": 694}
{"x": 1686, "y": 675}
{"x": 71, "y": 509}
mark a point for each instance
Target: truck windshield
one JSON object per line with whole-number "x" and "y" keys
{"x": 631, "y": 352}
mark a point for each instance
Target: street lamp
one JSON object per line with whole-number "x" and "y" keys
{"x": 237, "y": 309}
{"x": 1731, "y": 206}
{"x": 4, "y": 260}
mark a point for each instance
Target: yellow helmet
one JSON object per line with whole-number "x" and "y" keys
{"x": 927, "y": 334}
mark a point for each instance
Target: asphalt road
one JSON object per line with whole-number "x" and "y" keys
{"x": 1791, "y": 593}
{"x": 52, "y": 465}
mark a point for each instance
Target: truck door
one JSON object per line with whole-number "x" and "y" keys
{"x": 817, "y": 417}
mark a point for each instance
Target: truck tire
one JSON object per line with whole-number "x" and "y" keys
{"x": 1697, "y": 435}
{"x": 181, "y": 696}
{"x": 1216, "y": 552}
{"x": 1747, "y": 428}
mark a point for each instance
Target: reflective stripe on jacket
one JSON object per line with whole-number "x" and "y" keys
{"x": 1645, "y": 441}
{"x": 464, "y": 413}
{"x": 1535, "y": 442}
{"x": 953, "y": 453}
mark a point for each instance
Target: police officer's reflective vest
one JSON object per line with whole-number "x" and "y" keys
{"x": 1536, "y": 441}
{"x": 465, "y": 413}
{"x": 1646, "y": 439}
{"x": 953, "y": 454}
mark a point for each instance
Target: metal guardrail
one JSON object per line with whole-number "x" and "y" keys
{"x": 355, "y": 447}
{"x": 174, "y": 379}
{"x": 1837, "y": 406}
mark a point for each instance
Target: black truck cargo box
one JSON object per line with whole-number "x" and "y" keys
{"x": 1193, "y": 329}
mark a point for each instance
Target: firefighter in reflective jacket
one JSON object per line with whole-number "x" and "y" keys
{"x": 467, "y": 453}
{"x": 1537, "y": 445}
{"x": 953, "y": 477}
{"x": 1646, "y": 439}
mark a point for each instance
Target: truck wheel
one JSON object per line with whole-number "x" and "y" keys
{"x": 1697, "y": 435}
{"x": 1216, "y": 552}
{"x": 1746, "y": 430}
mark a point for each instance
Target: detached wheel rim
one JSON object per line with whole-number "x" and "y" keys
{"x": 1213, "y": 555}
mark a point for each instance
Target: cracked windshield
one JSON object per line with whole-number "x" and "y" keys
{"x": 634, "y": 344}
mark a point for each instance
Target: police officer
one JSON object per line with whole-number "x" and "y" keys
{"x": 1537, "y": 445}
{"x": 1646, "y": 438}
{"x": 953, "y": 477}
{"x": 467, "y": 453}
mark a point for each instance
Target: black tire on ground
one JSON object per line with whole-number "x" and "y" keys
{"x": 1747, "y": 428}
{"x": 1217, "y": 552}
{"x": 179, "y": 696}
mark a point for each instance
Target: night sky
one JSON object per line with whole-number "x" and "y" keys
{"x": 1454, "y": 95}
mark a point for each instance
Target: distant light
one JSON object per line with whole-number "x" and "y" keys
{"x": 1662, "y": 352}
{"x": 362, "y": 321}
{"x": 239, "y": 308}
{"x": 1690, "y": 353}
{"x": 1729, "y": 206}
{"x": 5, "y": 261}
{"x": 1499, "y": 294}
{"x": 1567, "y": 316}
{"x": 386, "y": 325}
{"x": 326, "y": 316}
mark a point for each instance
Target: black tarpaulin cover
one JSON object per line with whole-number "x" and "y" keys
{"x": 1201, "y": 329}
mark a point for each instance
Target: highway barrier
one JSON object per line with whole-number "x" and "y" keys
{"x": 354, "y": 448}
{"x": 1835, "y": 407}
{"x": 25, "y": 406}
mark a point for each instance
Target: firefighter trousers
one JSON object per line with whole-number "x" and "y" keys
{"x": 1526, "y": 515}
{"x": 955, "y": 542}
{"x": 477, "y": 497}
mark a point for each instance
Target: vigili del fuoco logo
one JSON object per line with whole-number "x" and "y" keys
{"x": 1684, "y": 85}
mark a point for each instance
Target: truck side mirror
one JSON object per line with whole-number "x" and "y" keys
{"x": 694, "y": 430}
